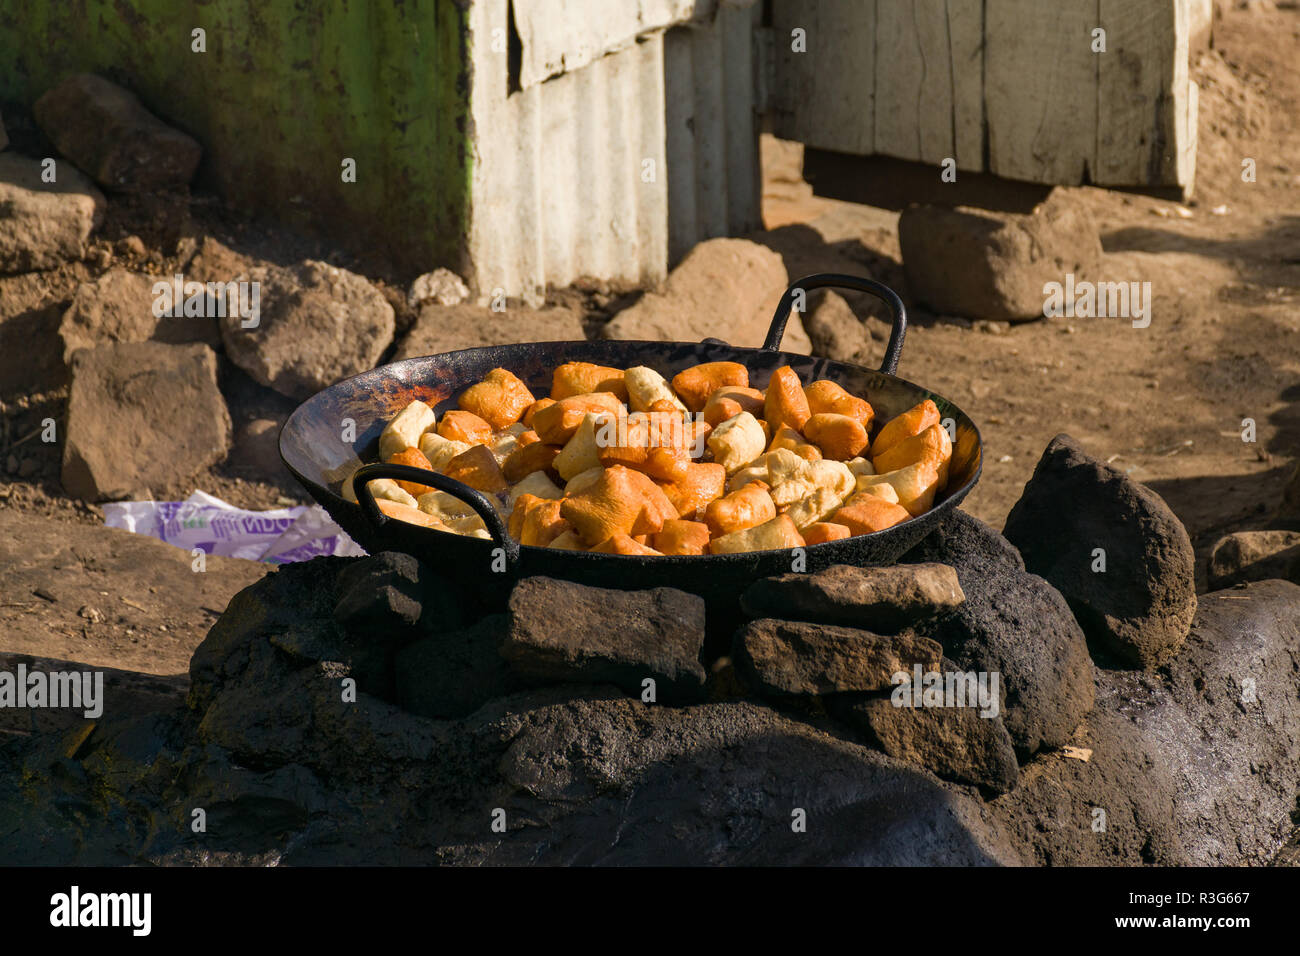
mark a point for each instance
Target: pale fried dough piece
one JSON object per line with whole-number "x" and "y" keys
{"x": 778, "y": 533}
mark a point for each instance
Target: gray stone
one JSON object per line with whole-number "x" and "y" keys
{"x": 724, "y": 288}
{"x": 142, "y": 413}
{"x": 1254, "y": 556}
{"x": 1140, "y": 608}
{"x": 441, "y": 329}
{"x": 42, "y": 225}
{"x": 881, "y": 599}
{"x": 561, "y": 631}
{"x": 955, "y": 743}
{"x": 119, "y": 307}
{"x": 107, "y": 132}
{"x": 454, "y": 673}
{"x": 441, "y": 287}
{"x": 794, "y": 658}
{"x": 318, "y": 324}
{"x": 1016, "y": 624}
{"x": 984, "y": 264}
{"x": 836, "y": 332}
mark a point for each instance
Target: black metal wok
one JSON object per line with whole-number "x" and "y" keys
{"x": 315, "y": 446}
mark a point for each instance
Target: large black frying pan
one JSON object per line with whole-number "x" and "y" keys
{"x": 315, "y": 447}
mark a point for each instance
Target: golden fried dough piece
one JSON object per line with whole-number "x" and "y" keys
{"x": 864, "y": 514}
{"x": 526, "y": 459}
{"x": 915, "y": 485}
{"x": 840, "y": 437}
{"x": 823, "y": 531}
{"x": 478, "y": 469}
{"x": 787, "y": 437}
{"x": 778, "y": 533}
{"x": 695, "y": 384}
{"x": 619, "y": 501}
{"x": 405, "y": 429}
{"x": 415, "y": 459}
{"x": 784, "y": 403}
{"x": 555, "y": 424}
{"x": 500, "y": 399}
{"x": 679, "y": 536}
{"x": 703, "y": 482}
{"x": 538, "y": 483}
{"x": 881, "y": 489}
{"x": 827, "y": 396}
{"x": 730, "y": 401}
{"x": 533, "y": 409}
{"x": 746, "y": 507}
{"x": 568, "y": 541}
{"x": 623, "y": 544}
{"x": 933, "y": 445}
{"x": 460, "y": 425}
{"x": 536, "y": 521}
{"x": 912, "y": 422}
{"x": 582, "y": 378}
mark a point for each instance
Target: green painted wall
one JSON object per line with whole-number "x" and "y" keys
{"x": 284, "y": 92}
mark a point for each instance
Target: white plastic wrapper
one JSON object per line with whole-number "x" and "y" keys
{"x": 201, "y": 521}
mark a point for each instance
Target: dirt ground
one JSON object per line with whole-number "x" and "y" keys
{"x": 1165, "y": 403}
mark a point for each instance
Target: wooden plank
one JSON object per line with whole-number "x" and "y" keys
{"x": 1041, "y": 89}
{"x": 966, "y": 46}
{"x": 1142, "y": 85}
{"x": 825, "y": 97}
{"x": 914, "y": 108}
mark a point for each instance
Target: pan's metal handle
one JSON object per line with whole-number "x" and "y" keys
{"x": 480, "y": 502}
{"x": 889, "y": 364}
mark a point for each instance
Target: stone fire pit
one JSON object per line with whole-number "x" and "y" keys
{"x": 358, "y": 711}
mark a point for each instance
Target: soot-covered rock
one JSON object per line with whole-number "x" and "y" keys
{"x": 884, "y": 600}
{"x": 391, "y": 596}
{"x": 795, "y": 658}
{"x": 1016, "y": 624}
{"x": 454, "y": 673}
{"x": 561, "y": 631}
{"x": 1077, "y": 512}
{"x": 966, "y": 743}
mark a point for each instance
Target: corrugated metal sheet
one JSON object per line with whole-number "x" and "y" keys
{"x": 615, "y": 169}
